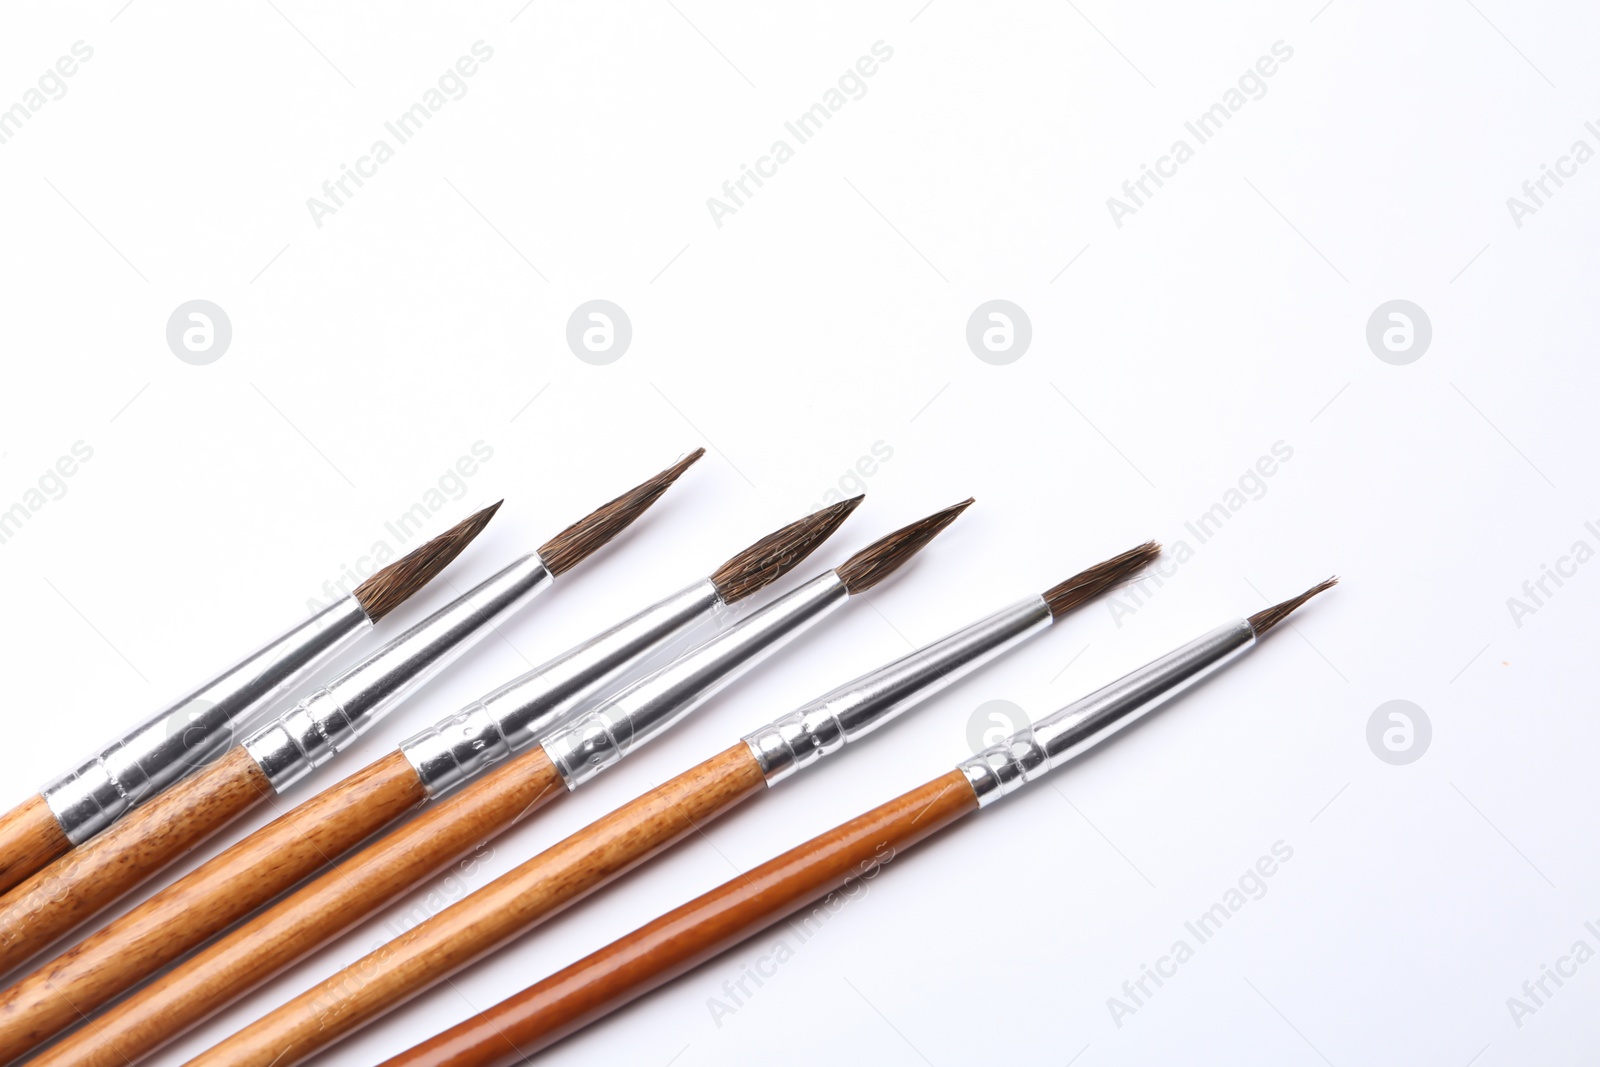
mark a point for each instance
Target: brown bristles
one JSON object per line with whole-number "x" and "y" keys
{"x": 884, "y": 556}
{"x": 1088, "y": 584}
{"x": 393, "y": 585}
{"x": 579, "y": 541}
{"x": 1267, "y": 618}
{"x": 777, "y": 553}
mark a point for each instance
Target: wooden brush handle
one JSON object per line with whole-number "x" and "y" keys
{"x": 205, "y": 902}
{"x": 310, "y": 917}
{"x": 30, "y": 837}
{"x": 682, "y": 939}
{"x": 505, "y": 908}
{"x": 97, "y": 873}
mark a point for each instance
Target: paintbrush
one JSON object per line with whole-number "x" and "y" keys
{"x": 839, "y": 861}
{"x": 517, "y": 901}
{"x": 286, "y": 749}
{"x": 369, "y": 879}
{"x": 233, "y": 884}
{"x": 175, "y": 740}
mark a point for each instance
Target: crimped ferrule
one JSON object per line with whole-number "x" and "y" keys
{"x": 520, "y": 712}
{"x": 802, "y": 737}
{"x": 594, "y": 741}
{"x": 325, "y": 723}
{"x": 169, "y": 744}
{"x": 1030, "y": 754}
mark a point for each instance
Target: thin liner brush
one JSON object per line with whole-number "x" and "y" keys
{"x": 249, "y": 874}
{"x": 154, "y": 754}
{"x": 378, "y": 874}
{"x": 513, "y": 904}
{"x": 286, "y": 750}
{"x": 714, "y": 922}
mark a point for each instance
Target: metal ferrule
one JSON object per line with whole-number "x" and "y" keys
{"x": 1026, "y": 755}
{"x": 802, "y": 737}
{"x": 520, "y": 712}
{"x": 175, "y": 740}
{"x": 592, "y": 742}
{"x": 325, "y": 723}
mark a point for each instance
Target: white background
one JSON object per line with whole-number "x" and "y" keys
{"x": 828, "y": 314}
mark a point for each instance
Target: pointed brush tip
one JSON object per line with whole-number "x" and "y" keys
{"x": 1264, "y": 620}
{"x": 395, "y": 584}
{"x": 887, "y": 554}
{"x": 779, "y": 552}
{"x": 1103, "y": 576}
{"x": 583, "y": 538}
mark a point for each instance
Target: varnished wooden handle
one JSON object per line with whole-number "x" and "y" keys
{"x": 505, "y": 908}
{"x": 205, "y": 902}
{"x": 97, "y": 873}
{"x": 316, "y": 913}
{"x": 682, "y": 939}
{"x": 30, "y": 837}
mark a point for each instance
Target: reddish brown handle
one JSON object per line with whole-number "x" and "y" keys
{"x": 682, "y": 939}
{"x": 205, "y": 902}
{"x": 30, "y": 838}
{"x": 505, "y": 908}
{"x": 97, "y": 873}
{"x": 316, "y": 913}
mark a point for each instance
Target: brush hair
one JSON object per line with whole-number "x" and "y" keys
{"x": 884, "y": 556}
{"x": 1267, "y": 618}
{"x": 777, "y": 553}
{"x": 393, "y": 585}
{"x": 579, "y": 541}
{"x": 1088, "y": 584}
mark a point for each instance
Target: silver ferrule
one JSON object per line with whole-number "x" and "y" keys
{"x": 172, "y": 742}
{"x": 521, "y": 712}
{"x": 312, "y": 732}
{"x": 802, "y": 737}
{"x": 1029, "y": 754}
{"x": 594, "y": 741}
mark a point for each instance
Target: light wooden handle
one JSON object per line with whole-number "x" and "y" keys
{"x": 310, "y": 917}
{"x": 478, "y": 924}
{"x": 97, "y": 873}
{"x": 684, "y": 938}
{"x": 30, "y": 837}
{"x": 205, "y": 902}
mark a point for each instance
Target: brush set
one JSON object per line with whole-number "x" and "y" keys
{"x": 119, "y": 993}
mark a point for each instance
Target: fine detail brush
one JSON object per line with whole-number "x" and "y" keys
{"x": 849, "y": 854}
{"x": 380, "y": 873}
{"x": 517, "y": 901}
{"x": 285, "y": 750}
{"x": 233, "y": 884}
{"x": 173, "y": 741}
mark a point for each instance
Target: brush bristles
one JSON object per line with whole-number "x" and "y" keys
{"x": 1267, "y": 618}
{"x": 1088, "y": 584}
{"x": 583, "y": 538}
{"x": 777, "y": 553}
{"x": 393, "y": 585}
{"x": 884, "y": 556}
